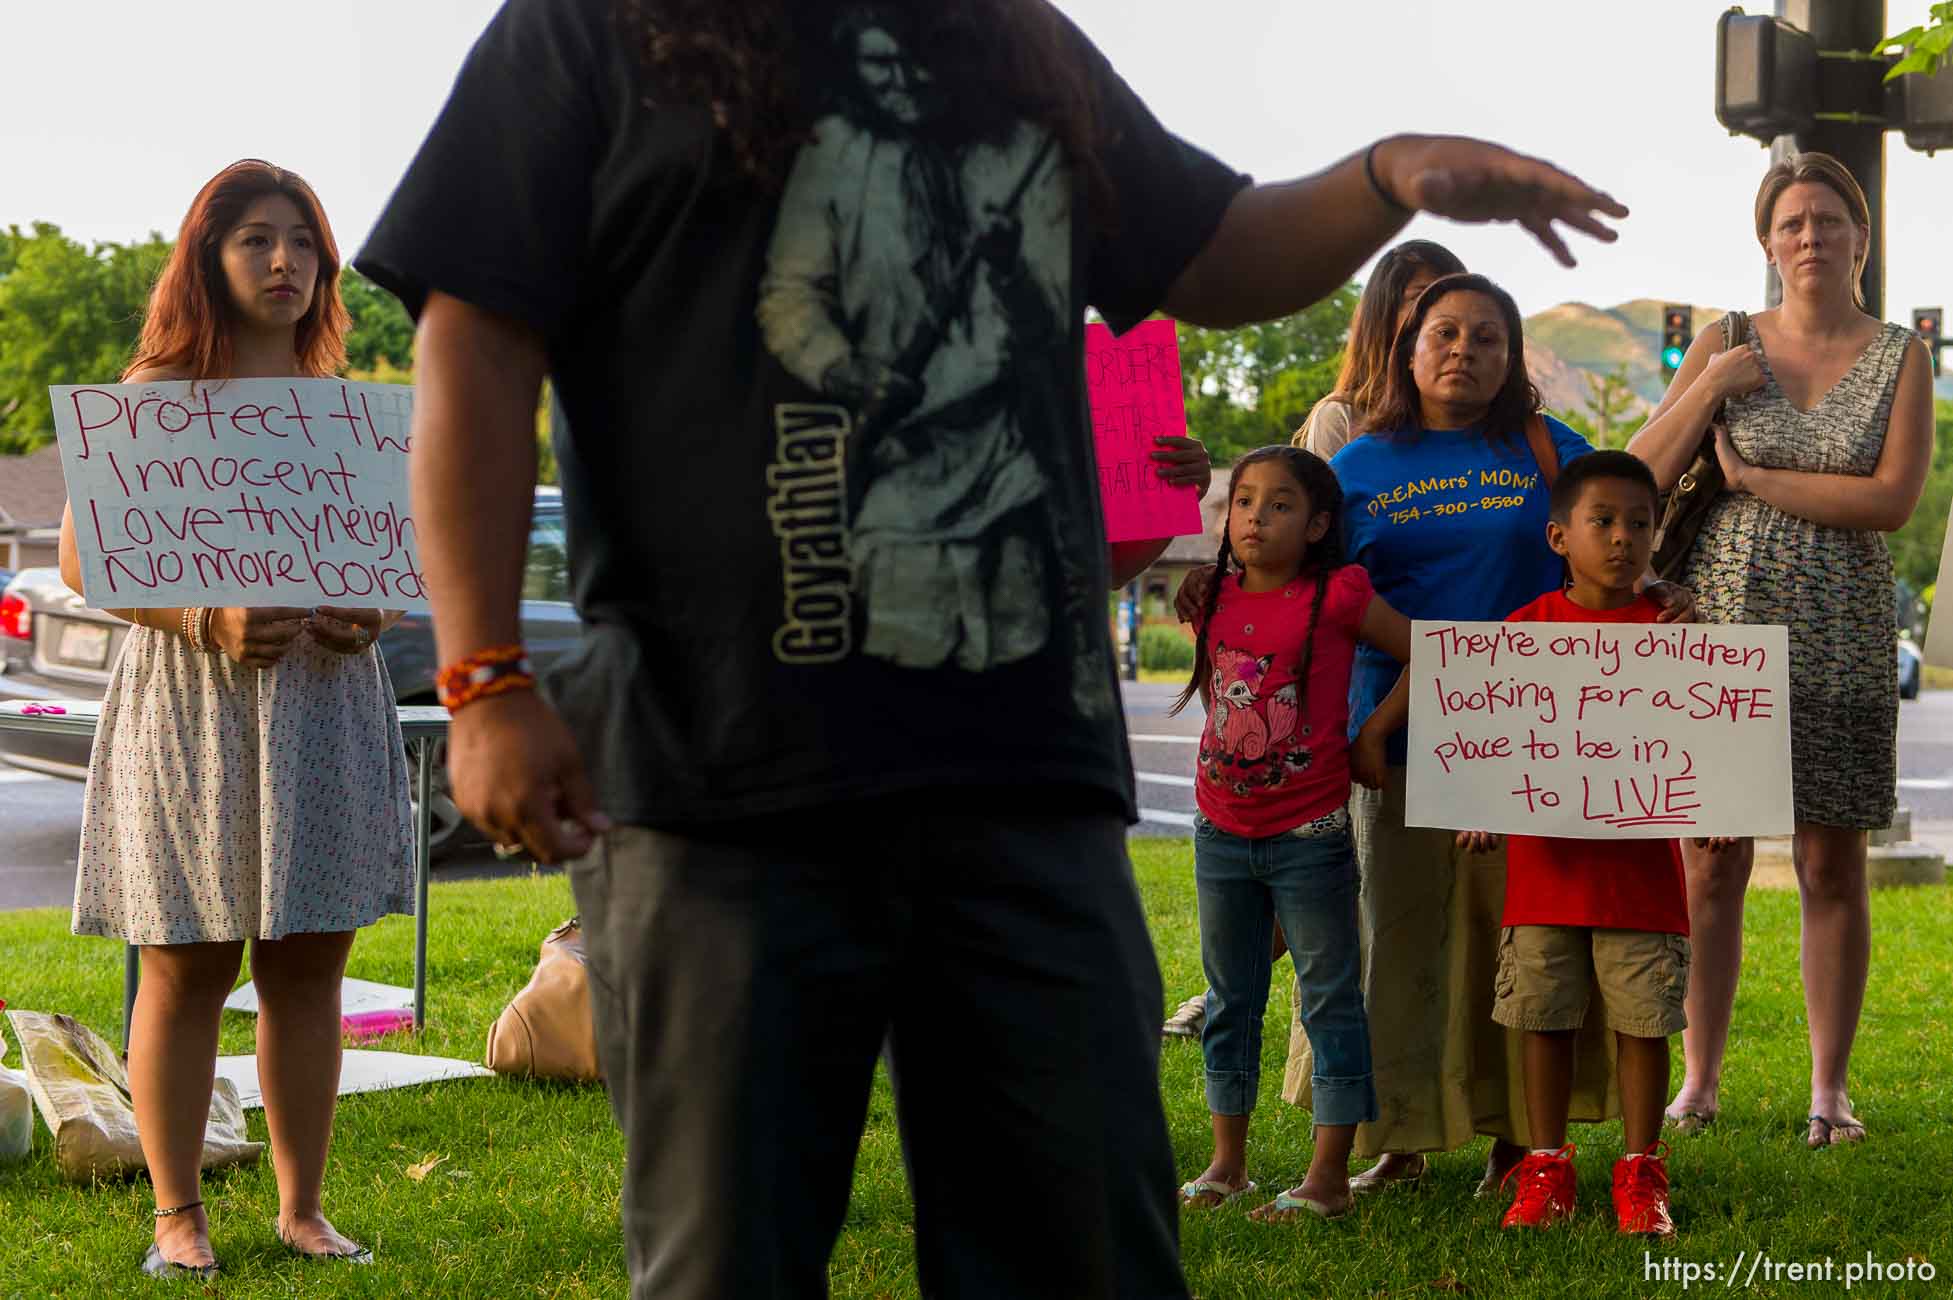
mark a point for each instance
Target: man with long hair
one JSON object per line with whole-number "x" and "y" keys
{"x": 789, "y": 842}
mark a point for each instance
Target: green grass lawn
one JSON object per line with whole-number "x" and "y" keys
{"x": 524, "y": 1203}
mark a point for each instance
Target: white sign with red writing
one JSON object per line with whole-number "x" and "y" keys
{"x": 1600, "y": 730}
{"x": 245, "y": 492}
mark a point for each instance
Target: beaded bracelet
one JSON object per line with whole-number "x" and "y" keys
{"x": 486, "y": 672}
{"x": 195, "y": 621}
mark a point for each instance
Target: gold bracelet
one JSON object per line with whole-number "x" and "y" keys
{"x": 203, "y": 633}
{"x": 183, "y": 626}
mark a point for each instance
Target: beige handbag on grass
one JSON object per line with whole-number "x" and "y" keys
{"x": 548, "y": 1032}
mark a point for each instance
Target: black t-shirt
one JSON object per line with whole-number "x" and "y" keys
{"x": 830, "y": 486}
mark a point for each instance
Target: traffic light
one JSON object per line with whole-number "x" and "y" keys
{"x": 1677, "y": 332}
{"x": 1766, "y": 76}
{"x": 1927, "y": 323}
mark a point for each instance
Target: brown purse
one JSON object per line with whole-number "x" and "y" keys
{"x": 1540, "y": 439}
{"x": 1685, "y": 507}
{"x": 548, "y": 1031}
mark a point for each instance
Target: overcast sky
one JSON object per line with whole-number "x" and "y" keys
{"x": 112, "y": 114}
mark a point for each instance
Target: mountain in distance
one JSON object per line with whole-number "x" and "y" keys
{"x": 1567, "y": 343}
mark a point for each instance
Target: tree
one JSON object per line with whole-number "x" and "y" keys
{"x": 1925, "y": 47}
{"x": 381, "y": 326}
{"x": 1611, "y": 398}
{"x": 68, "y": 315}
{"x": 1253, "y": 386}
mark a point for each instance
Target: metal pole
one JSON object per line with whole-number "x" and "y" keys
{"x": 1133, "y": 619}
{"x": 1844, "y": 25}
{"x": 423, "y": 812}
{"x": 131, "y": 982}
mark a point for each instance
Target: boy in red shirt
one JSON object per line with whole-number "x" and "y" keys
{"x": 1595, "y": 916}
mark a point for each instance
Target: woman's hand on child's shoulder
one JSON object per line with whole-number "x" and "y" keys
{"x": 1478, "y": 841}
{"x": 1369, "y": 758}
{"x": 1677, "y": 602}
{"x": 1192, "y": 596}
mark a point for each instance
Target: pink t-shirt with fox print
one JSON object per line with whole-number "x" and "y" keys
{"x": 1273, "y": 756}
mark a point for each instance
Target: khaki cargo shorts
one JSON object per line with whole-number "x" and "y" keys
{"x": 1548, "y": 974}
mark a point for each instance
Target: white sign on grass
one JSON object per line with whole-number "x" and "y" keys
{"x": 1600, "y": 730}
{"x": 1939, "y": 632}
{"x": 245, "y": 492}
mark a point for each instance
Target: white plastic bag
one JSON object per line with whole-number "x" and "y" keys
{"x": 16, "y": 1117}
{"x": 83, "y": 1094}
{"x": 16, "y": 1112}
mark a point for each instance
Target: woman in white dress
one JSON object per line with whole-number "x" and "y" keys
{"x": 248, "y": 781}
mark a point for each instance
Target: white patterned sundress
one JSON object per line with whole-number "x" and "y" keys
{"x": 228, "y": 803}
{"x": 1832, "y": 587}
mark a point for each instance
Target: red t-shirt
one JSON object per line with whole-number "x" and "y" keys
{"x": 1271, "y": 757}
{"x": 1606, "y": 884}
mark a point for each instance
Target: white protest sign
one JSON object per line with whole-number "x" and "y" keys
{"x": 1600, "y": 730}
{"x": 1938, "y": 649}
{"x": 244, "y": 492}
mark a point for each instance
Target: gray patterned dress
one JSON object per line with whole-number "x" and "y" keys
{"x": 1832, "y": 587}
{"x": 226, "y": 803}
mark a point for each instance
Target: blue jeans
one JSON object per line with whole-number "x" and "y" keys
{"x": 1310, "y": 884}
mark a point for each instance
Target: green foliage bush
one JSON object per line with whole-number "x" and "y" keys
{"x": 1165, "y": 648}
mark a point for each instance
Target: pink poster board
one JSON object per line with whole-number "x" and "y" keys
{"x": 1133, "y": 382}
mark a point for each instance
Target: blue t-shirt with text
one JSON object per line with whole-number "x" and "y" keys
{"x": 1450, "y": 525}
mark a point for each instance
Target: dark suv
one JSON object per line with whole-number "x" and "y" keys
{"x": 53, "y": 646}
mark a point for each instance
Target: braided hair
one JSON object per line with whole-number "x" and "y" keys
{"x": 1323, "y": 557}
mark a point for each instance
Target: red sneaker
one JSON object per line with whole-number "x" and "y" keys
{"x": 1641, "y": 1193}
{"x": 1545, "y": 1192}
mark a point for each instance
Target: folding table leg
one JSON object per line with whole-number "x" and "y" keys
{"x": 424, "y": 792}
{"x": 131, "y": 981}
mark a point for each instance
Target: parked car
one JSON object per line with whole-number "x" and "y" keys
{"x": 53, "y": 646}
{"x": 1909, "y": 662}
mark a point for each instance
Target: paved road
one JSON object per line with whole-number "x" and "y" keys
{"x": 40, "y": 817}
{"x": 1163, "y": 757}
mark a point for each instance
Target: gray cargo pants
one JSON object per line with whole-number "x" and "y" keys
{"x": 744, "y": 980}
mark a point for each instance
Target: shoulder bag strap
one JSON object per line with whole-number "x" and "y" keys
{"x": 1540, "y": 439}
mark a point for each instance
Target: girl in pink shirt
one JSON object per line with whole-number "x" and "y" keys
{"x": 1274, "y": 644}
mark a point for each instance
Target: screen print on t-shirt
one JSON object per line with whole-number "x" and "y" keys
{"x": 920, "y": 280}
{"x": 826, "y": 466}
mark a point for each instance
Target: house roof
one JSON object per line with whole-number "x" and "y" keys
{"x": 32, "y": 489}
{"x": 1199, "y": 548}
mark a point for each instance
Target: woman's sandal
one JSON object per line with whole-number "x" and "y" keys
{"x": 1370, "y": 1181}
{"x": 1689, "y": 1121}
{"x": 1821, "y": 1132}
{"x": 1191, "y": 1193}
{"x": 155, "y": 1264}
{"x": 357, "y": 1255}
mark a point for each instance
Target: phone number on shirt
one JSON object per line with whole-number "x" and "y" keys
{"x": 1443, "y": 508}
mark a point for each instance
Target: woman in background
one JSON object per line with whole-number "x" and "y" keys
{"x": 248, "y": 780}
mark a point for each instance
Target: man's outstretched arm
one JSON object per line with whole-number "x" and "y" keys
{"x": 1281, "y": 247}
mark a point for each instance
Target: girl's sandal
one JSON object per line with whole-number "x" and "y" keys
{"x": 1192, "y": 1194}
{"x": 1287, "y": 1203}
{"x": 155, "y": 1264}
{"x": 357, "y": 1255}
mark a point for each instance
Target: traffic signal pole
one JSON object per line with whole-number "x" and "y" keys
{"x": 1840, "y": 26}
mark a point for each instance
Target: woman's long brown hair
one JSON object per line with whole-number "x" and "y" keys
{"x": 189, "y": 321}
{"x": 1366, "y": 361}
